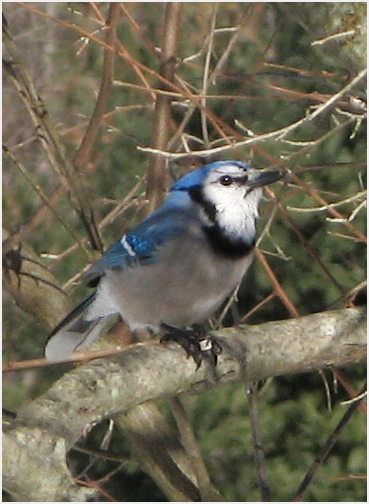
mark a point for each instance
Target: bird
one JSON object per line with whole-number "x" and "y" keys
{"x": 178, "y": 266}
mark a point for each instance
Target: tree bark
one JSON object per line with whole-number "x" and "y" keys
{"x": 35, "y": 443}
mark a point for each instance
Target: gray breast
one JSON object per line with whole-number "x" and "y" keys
{"x": 185, "y": 285}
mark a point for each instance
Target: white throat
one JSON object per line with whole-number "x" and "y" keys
{"x": 236, "y": 211}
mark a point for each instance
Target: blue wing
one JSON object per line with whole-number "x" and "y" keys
{"x": 140, "y": 245}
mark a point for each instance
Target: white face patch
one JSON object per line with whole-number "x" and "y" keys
{"x": 236, "y": 205}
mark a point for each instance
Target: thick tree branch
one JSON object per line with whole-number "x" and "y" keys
{"x": 51, "y": 424}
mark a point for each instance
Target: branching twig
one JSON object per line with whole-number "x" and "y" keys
{"x": 326, "y": 449}
{"x": 156, "y": 174}
{"x": 205, "y": 78}
{"x": 84, "y": 149}
{"x": 259, "y": 455}
{"x": 48, "y": 137}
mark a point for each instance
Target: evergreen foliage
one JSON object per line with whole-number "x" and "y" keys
{"x": 272, "y": 77}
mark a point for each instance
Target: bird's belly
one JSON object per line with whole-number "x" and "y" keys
{"x": 177, "y": 293}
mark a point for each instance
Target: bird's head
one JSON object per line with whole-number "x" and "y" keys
{"x": 228, "y": 193}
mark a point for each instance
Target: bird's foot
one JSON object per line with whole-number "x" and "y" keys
{"x": 194, "y": 340}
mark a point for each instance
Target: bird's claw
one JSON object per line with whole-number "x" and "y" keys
{"x": 196, "y": 343}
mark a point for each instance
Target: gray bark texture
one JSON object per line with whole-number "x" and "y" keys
{"x": 35, "y": 444}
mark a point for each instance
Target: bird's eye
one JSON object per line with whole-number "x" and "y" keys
{"x": 226, "y": 180}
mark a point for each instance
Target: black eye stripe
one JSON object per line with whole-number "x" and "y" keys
{"x": 227, "y": 180}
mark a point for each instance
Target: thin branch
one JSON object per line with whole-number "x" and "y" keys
{"x": 310, "y": 249}
{"x": 279, "y": 291}
{"x": 156, "y": 175}
{"x": 343, "y": 380}
{"x": 252, "y": 394}
{"x": 14, "y": 239}
{"x": 48, "y": 137}
{"x": 84, "y": 150}
{"x": 205, "y": 78}
{"x": 47, "y": 201}
{"x": 207, "y": 491}
{"x": 326, "y": 449}
{"x": 123, "y": 53}
{"x": 122, "y": 50}
{"x": 361, "y": 195}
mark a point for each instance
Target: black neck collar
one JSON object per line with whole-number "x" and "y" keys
{"x": 197, "y": 195}
{"x": 226, "y": 246}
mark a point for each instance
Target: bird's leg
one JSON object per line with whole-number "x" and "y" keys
{"x": 194, "y": 341}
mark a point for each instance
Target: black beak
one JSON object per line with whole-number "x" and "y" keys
{"x": 264, "y": 178}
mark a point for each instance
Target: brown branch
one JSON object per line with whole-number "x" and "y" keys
{"x": 48, "y": 202}
{"x": 259, "y": 454}
{"x": 207, "y": 492}
{"x": 84, "y": 149}
{"x": 279, "y": 291}
{"x": 309, "y": 248}
{"x": 39, "y": 216}
{"x": 48, "y": 137}
{"x": 155, "y": 445}
{"x": 326, "y": 449}
{"x": 350, "y": 389}
{"x": 156, "y": 174}
{"x": 217, "y": 123}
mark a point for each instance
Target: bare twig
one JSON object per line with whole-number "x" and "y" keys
{"x": 27, "y": 228}
{"x": 207, "y": 491}
{"x": 205, "y": 78}
{"x": 84, "y": 149}
{"x": 252, "y": 393}
{"x": 326, "y": 450}
{"x": 280, "y": 292}
{"x": 48, "y": 202}
{"x": 343, "y": 380}
{"x": 48, "y": 137}
{"x": 310, "y": 249}
{"x": 156, "y": 174}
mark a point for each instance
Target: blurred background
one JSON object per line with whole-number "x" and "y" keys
{"x": 241, "y": 70}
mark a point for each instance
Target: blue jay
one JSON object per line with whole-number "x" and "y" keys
{"x": 179, "y": 265}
